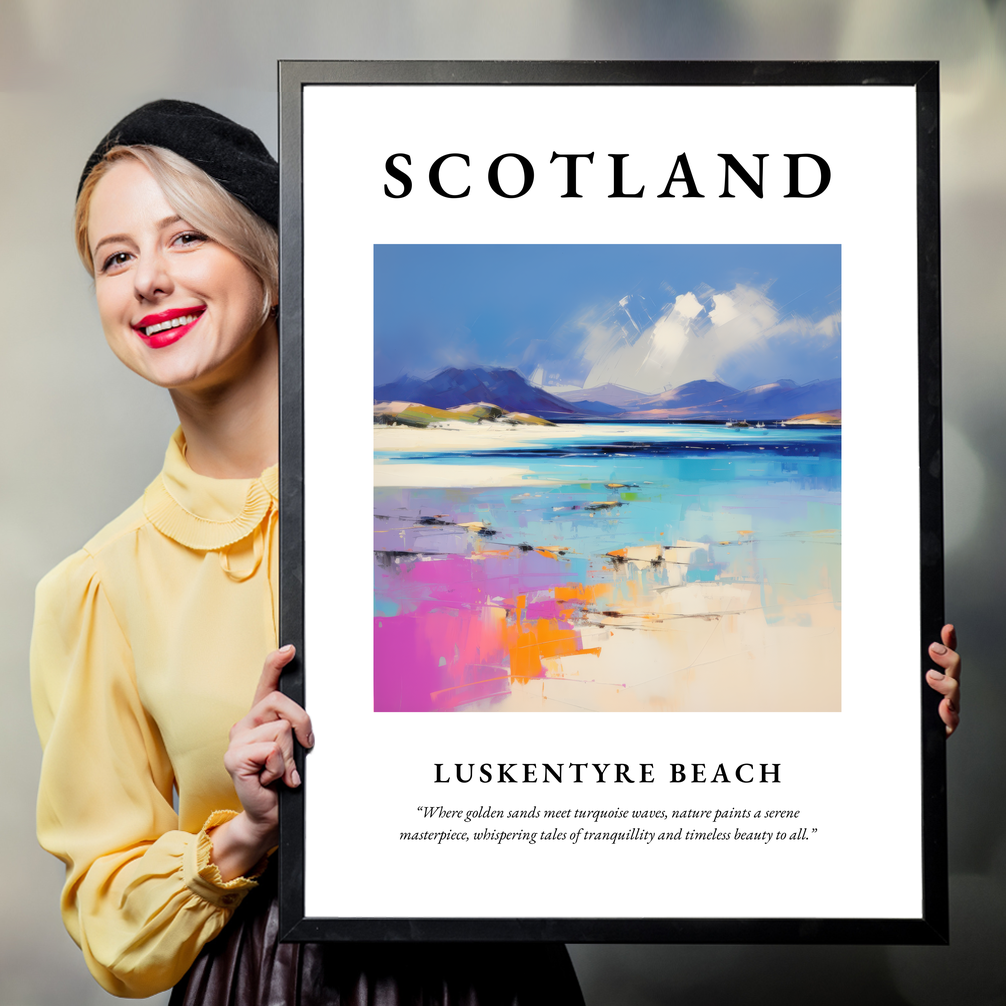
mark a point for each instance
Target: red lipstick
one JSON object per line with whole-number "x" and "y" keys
{"x": 165, "y": 333}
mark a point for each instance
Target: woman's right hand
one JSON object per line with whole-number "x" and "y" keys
{"x": 260, "y": 753}
{"x": 948, "y": 681}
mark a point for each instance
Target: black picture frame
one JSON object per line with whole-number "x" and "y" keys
{"x": 932, "y": 926}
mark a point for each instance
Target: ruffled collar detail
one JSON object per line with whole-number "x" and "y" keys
{"x": 203, "y": 513}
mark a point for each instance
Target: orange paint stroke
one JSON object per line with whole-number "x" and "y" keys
{"x": 548, "y": 553}
{"x": 529, "y": 641}
{"x": 582, "y": 592}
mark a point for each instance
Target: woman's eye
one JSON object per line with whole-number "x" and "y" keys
{"x": 114, "y": 261}
{"x": 190, "y": 238}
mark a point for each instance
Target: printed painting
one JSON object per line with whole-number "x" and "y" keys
{"x": 607, "y": 478}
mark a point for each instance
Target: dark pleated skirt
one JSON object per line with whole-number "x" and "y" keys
{"x": 246, "y": 965}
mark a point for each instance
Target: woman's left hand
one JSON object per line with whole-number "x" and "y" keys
{"x": 260, "y": 754}
{"x": 948, "y": 681}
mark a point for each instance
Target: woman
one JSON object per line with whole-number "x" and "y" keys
{"x": 149, "y": 642}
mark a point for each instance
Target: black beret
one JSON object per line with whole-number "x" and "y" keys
{"x": 231, "y": 154}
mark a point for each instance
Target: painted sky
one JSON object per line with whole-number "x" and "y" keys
{"x": 647, "y": 317}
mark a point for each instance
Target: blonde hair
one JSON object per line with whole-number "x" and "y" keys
{"x": 199, "y": 200}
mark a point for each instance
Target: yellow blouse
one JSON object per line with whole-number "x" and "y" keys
{"x": 147, "y": 647}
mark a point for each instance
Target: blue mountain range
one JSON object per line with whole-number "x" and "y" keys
{"x": 451, "y": 387}
{"x": 696, "y": 400}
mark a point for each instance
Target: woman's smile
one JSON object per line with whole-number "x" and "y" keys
{"x": 167, "y": 327}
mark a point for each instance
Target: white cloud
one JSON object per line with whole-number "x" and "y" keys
{"x": 724, "y": 310}
{"x": 688, "y": 306}
{"x": 737, "y": 336}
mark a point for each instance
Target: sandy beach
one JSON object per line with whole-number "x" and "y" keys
{"x": 598, "y": 567}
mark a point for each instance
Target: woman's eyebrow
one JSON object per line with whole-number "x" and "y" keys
{"x": 160, "y": 225}
{"x": 109, "y": 240}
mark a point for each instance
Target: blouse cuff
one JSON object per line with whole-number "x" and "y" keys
{"x": 202, "y": 876}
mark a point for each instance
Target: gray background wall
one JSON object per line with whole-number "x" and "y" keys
{"x": 82, "y": 436}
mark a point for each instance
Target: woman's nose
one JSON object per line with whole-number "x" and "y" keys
{"x": 152, "y": 277}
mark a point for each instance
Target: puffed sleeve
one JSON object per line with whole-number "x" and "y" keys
{"x": 141, "y": 898}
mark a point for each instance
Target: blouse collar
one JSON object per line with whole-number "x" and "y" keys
{"x": 204, "y": 513}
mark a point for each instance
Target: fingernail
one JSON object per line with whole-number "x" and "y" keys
{"x": 936, "y": 675}
{"x": 938, "y": 648}
{"x": 295, "y": 777}
{"x": 310, "y": 740}
{"x": 287, "y": 649}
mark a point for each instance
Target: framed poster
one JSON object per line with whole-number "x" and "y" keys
{"x": 610, "y": 553}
